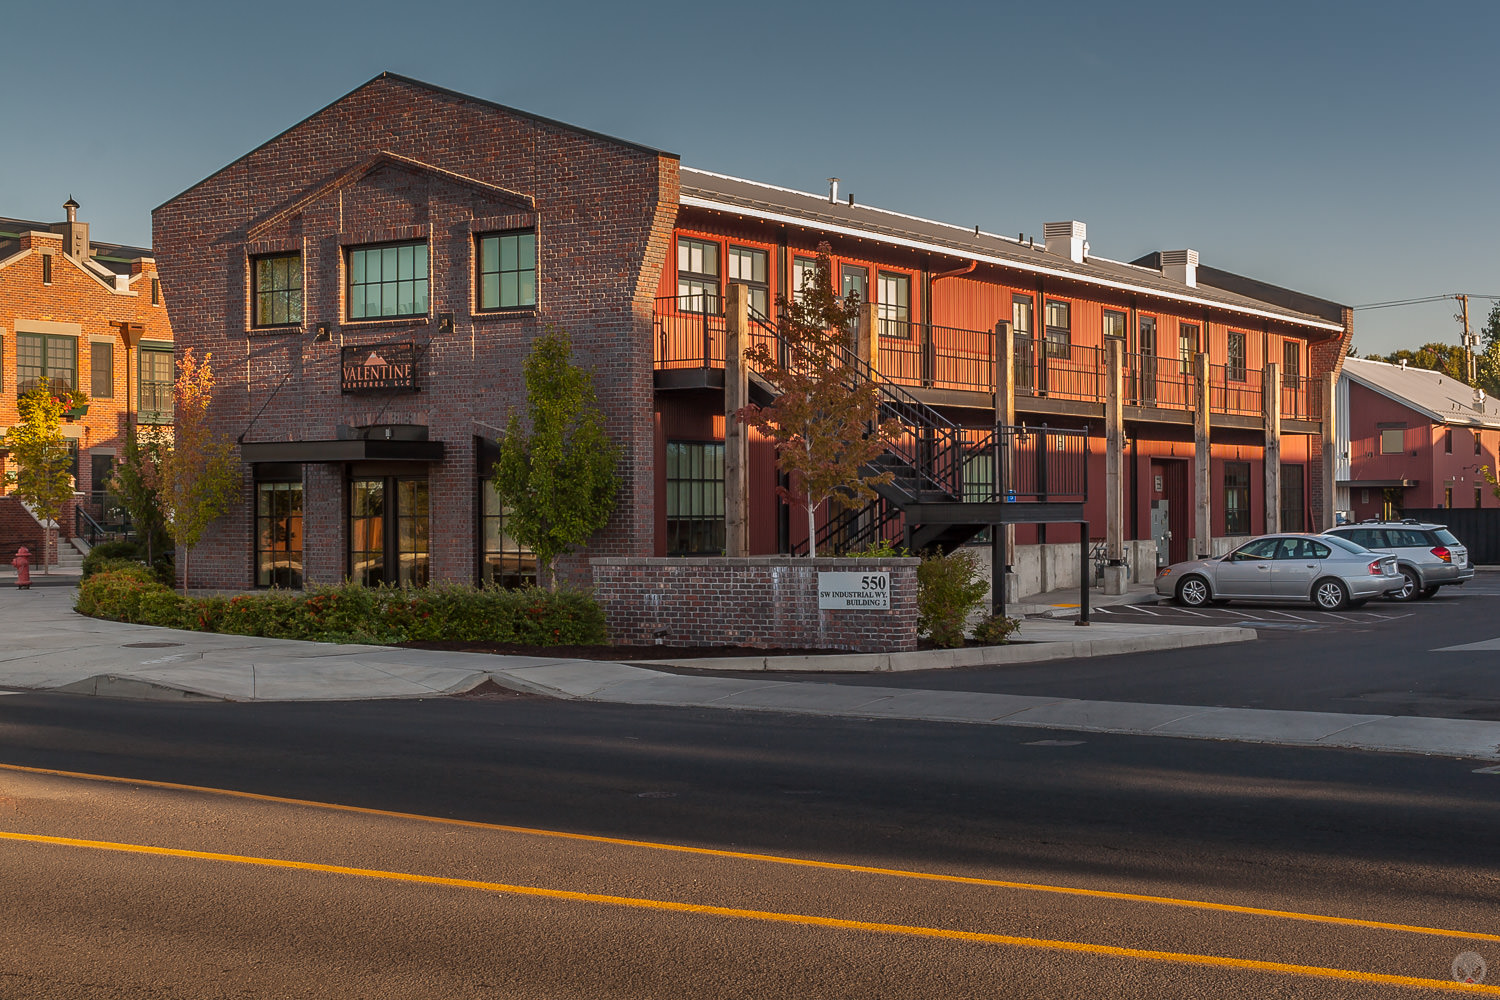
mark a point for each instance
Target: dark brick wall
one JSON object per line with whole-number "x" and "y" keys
{"x": 603, "y": 210}
{"x": 765, "y": 602}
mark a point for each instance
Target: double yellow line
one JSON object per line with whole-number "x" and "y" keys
{"x": 1075, "y": 947}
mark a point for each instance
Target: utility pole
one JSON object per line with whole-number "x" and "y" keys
{"x": 1470, "y": 340}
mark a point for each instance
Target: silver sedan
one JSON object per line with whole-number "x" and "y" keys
{"x": 1330, "y": 572}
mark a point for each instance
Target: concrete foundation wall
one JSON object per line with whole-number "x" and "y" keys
{"x": 1039, "y": 568}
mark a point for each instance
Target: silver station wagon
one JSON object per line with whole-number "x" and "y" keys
{"x": 1329, "y": 572}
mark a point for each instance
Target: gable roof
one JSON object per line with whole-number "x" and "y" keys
{"x": 432, "y": 88}
{"x": 385, "y": 158}
{"x": 114, "y": 256}
{"x": 1440, "y": 397}
{"x": 718, "y": 192}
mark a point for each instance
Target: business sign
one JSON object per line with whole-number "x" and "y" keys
{"x": 380, "y": 368}
{"x": 854, "y": 591}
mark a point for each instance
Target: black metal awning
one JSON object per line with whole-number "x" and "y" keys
{"x": 355, "y": 450}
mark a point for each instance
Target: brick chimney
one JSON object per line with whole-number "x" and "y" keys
{"x": 1066, "y": 239}
{"x": 75, "y": 234}
{"x": 1182, "y": 265}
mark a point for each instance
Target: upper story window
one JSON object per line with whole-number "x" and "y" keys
{"x": 1187, "y": 342}
{"x": 46, "y": 269}
{"x": 388, "y": 281}
{"x": 1392, "y": 440}
{"x": 1235, "y": 365}
{"x": 154, "y": 375}
{"x": 507, "y": 270}
{"x": 749, "y": 267}
{"x": 697, "y": 275}
{"x": 1478, "y": 442}
{"x": 854, "y": 280}
{"x": 278, "y": 290}
{"x": 1114, "y": 323}
{"x": 156, "y": 291}
{"x": 1447, "y": 440}
{"x": 895, "y": 305}
{"x": 1146, "y": 335}
{"x": 804, "y": 271}
{"x": 41, "y": 356}
{"x": 1291, "y": 362}
{"x": 101, "y": 370}
{"x": 1059, "y": 328}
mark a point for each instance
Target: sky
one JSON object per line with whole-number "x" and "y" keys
{"x": 1344, "y": 149}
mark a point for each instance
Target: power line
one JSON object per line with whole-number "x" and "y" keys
{"x": 1425, "y": 299}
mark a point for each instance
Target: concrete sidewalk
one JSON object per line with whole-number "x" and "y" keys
{"x": 51, "y": 648}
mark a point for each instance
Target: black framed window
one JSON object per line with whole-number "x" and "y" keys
{"x": 102, "y": 370}
{"x": 894, "y": 308}
{"x": 750, "y": 267}
{"x": 1292, "y": 515}
{"x": 1023, "y": 323}
{"x": 1235, "y": 365}
{"x": 154, "y": 381}
{"x": 504, "y": 561}
{"x": 1236, "y": 498}
{"x": 1059, "y": 328}
{"x": 156, "y": 291}
{"x": 695, "y": 498}
{"x": 507, "y": 270}
{"x": 40, "y": 356}
{"x": 46, "y": 269}
{"x": 389, "y": 531}
{"x": 1187, "y": 343}
{"x": 697, "y": 275}
{"x": 1291, "y": 363}
{"x": 1447, "y": 440}
{"x": 1478, "y": 443}
{"x": 388, "y": 281}
{"x": 1115, "y": 323}
{"x": 277, "y": 291}
{"x": 278, "y": 535}
{"x": 854, "y": 280}
{"x": 804, "y": 272}
{"x": 1393, "y": 440}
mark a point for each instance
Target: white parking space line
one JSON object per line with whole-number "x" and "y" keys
{"x": 1285, "y": 614}
{"x": 1195, "y": 614}
{"x": 1142, "y": 610}
{"x": 1342, "y": 618}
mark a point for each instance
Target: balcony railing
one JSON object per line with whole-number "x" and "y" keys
{"x": 690, "y": 332}
{"x": 156, "y": 403}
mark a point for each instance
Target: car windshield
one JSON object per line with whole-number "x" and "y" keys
{"x": 1344, "y": 543}
{"x": 1447, "y": 537}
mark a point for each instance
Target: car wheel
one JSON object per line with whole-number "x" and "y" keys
{"x": 1410, "y": 587}
{"x": 1330, "y": 595}
{"x": 1192, "y": 592}
{"x": 1428, "y": 592}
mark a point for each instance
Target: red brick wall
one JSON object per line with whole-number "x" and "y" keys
{"x": 92, "y": 304}
{"x": 765, "y": 602}
{"x": 604, "y": 212}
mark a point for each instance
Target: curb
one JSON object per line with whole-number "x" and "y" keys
{"x": 939, "y": 659}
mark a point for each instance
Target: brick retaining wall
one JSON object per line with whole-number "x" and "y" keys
{"x": 765, "y": 601}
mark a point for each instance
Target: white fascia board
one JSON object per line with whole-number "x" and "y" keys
{"x": 108, "y": 286}
{"x": 718, "y": 206}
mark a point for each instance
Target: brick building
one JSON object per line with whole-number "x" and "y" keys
{"x": 90, "y": 316}
{"x": 370, "y": 281}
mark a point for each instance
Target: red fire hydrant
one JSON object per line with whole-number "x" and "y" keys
{"x": 22, "y": 563}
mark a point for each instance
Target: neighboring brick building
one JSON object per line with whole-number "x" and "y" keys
{"x": 90, "y": 315}
{"x": 369, "y": 282}
{"x": 1412, "y": 438}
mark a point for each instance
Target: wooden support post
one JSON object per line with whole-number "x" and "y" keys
{"x": 869, "y": 336}
{"x": 1202, "y": 465}
{"x": 1329, "y": 388}
{"x": 1003, "y": 536}
{"x": 736, "y": 437}
{"x": 1116, "y": 570}
{"x": 1271, "y": 396}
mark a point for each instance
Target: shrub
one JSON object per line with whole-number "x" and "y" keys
{"x": 110, "y": 553}
{"x": 948, "y": 591}
{"x": 116, "y": 593}
{"x": 880, "y": 548}
{"x": 995, "y": 630}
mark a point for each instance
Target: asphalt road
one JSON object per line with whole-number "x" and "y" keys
{"x": 94, "y": 908}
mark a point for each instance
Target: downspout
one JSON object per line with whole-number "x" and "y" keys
{"x": 956, "y": 272}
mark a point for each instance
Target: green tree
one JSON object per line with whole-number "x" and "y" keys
{"x": 825, "y": 422}
{"x": 556, "y": 474}
{"x": 1445, "y": 358}
{"x": 137, "y": 484}
{"x": 43, "y": 478}
{"x": 198, "y": 476}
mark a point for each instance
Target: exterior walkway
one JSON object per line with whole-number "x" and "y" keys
{"x": 50, "y": 648}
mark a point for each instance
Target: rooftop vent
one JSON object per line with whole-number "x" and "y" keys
{"x": 75, "y": 234}
{"x": 833, "y": 190}
{"x": 1066, "y": 239}
{"x": 1181, "y": 265}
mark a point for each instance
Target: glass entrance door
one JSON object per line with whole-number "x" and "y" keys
{"x": 389, "y": 531}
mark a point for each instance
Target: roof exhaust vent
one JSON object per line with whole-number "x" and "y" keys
{"x": 1403, "y": 364}
{"x": 1066, "y": 239}
{"x": 1181, "y": 265}
{"x": 833, "y": 190}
